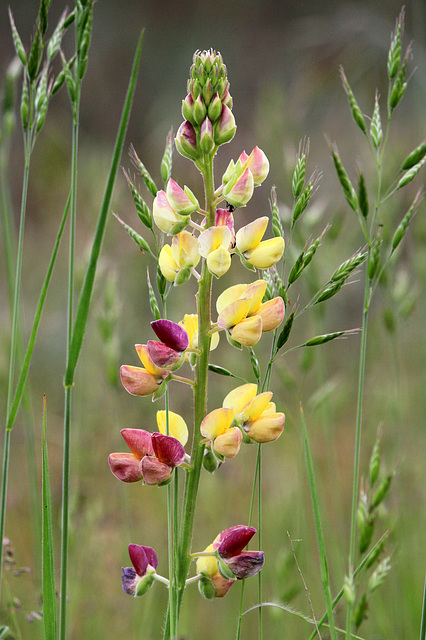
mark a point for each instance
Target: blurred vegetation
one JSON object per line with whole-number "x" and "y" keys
{"x": 283, "y": 60}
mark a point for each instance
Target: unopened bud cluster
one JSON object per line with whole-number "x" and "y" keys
{"x": 207, "y": 108}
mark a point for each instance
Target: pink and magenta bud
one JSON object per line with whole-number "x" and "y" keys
{"x": 225, "y": 128}
{"x": 258, "y": 164}
{"x": 139, "y": 442}
{"x": 232, "y": 541}
{"x": 168, "y": 449}
{"x": 239, "y": 193}
{"x": 181, "y": 200}
{"x": 154, "y": 471}
{"x": 188, "y": 109}
{"x": 171, "y": 333}
{"x": 138, "y": 382}
{"x": 164, "y": 356}
{"x": 125, "y": 466}
{"x": 207, "y": 142}
{"x": 186, "y": 141}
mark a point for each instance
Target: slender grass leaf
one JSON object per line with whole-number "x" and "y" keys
{"x": 50, "y": 618}
{"x": 318, "y": 528}
{"x": 87, "y": 289}
{"x": 31, "y": 342}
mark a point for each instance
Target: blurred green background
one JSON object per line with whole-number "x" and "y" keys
{"x": 282, "y": 60}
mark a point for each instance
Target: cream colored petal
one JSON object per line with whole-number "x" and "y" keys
{"x": 265, "y": 254}
{"x": 272, "y": 313}
{"x": 240, "y": 397}
{"x": 257, "y": 291}
{"x": 219, "y": 261}
{"x": 142, "y": 351}
{"x": 177, "y": 426}
{"x": 216, "y": 422}
{"x": 167, "y": 263}
{"x": 257, "y": 406}
{"x": 229, "y": 443}
{"x": 250, "y": 236}
{"x": 230, "y": 295}
{"x": 267, "y": 428}
{"x": 234, "y": 313}
{"x": 213, "y": 238}
{"x": 247, "y": 332}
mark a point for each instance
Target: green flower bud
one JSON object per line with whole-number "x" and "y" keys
{"x": 360, "y": 611}
{"x": 199, "y": 111}
{"x": 349, "y": 590}
{"x": 374, "y": 467}
{"x": 210, "y": 461}
{"x": 206, "y": 588}
{"x": 215, "y": 109}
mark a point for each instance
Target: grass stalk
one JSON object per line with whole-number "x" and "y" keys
{"x": 318, "y": 528}
{"x": 79, "y": 327}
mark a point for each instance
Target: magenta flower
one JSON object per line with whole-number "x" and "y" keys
{"x": 169, "y": 353}
{"x": 153, "y": 458}
{"x": 230, "y": 544}
{"x": 138, "y": 579}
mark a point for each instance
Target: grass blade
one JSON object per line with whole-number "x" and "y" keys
{"x": 423, "y": 625}
{"x": 31, "y": 342}
{"x": 86, "y": 292}
{"x": 318, "y": 528}
{"x": 50, "y": 619}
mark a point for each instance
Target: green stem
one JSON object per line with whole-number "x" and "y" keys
{"x": 200, "y": 406}
{"x": 171, "y": 539}
{"x": 68, "y": 387}
{"x": 358, "y": 428}
{"x": 15, "y": 323}
{"x": 259, "y": 532}
{"x": 318, "y": 528}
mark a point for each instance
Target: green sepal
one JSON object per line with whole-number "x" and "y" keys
{"x": 224, "y": 570}
{"x": 161, "y": 389}
{"x": 206, "y": 588}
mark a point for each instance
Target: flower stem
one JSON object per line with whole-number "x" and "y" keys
{"x": 14, "y": 339}
{"x": 200, "y": 405}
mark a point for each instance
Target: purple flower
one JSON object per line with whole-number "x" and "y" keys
{"x": 138, "y": 579}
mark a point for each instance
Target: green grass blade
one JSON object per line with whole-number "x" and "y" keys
{"x": 318, "y": 528}
{"x": 86, "y": 292}
{"x": 423, "y": 625}
{"x": 31, "y": 342}
{"x": 50, "y": 617}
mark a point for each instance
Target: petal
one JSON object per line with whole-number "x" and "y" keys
{"x": 213, "y": 238}
{"x": 138, "y": 558}
{"x": 142, "y": 351}
{"x": 217, "y": 422}
{"x": 240, "y": 193}
{"x": 250, "y": 236}
{"x": 152, "y": 557}
{"x": 179, "y": 200}
{"x": 272, "y": 313}
{"x": 129, "y": 580}
{"x": 256, "y": 290}
{"x": 256, "y": 407}
{"x": 207, "y": 565}
{"x": 223, "y": 217}
{"x": 168, "y": 449}
{"x": 177, "y": 426}
{"x": 163, "y": 356}
{"x": 185, "y": 249}
{"x": 154, "y": 471}
{"x": 167, "y": 263}
{"x": 247, "y": 332}
{"x": 265, "y": 254}
{"x": 239, "y": 397}
{"x": 229, "y": 443}
{"x": 219, "y": 261}
{"x": 247, "y": 564}
{"x": 190, "y": 324}
{"x": 138, "y": 382}
{"x": 224, "y": 129}
{"x": 234, "y": 313}
{"x": 230, "y": 295}
{"x": 267, "y": 428}
{"x": 125, "y": 466}
{"x": 232, "y": 541}
{"x": 164, "y": 216}
{"x": 172, "y": 334}
{"x": 139, "y": 442}
{"x": 258, "y": 164}
{"x": 221, "y": 585}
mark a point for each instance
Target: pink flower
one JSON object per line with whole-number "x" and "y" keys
{"x": 153, "y": 458}
{"x": 138, "y": 579}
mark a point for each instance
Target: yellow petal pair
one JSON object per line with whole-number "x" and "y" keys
{"x": 261, "y": 254}
{"x": 216, "y": 426}
{"x": 213, "y": 245}
{"x": 190, "y": 324}
{"x": 177, "y": 426}
{"x": 182, "y": 254}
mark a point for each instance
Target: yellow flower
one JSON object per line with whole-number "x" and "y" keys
{"x": 190, "y": 324}
{"x": 256, "y": 414}
{"x": 177, "y": 426}
{"x": 213, "y": 245}
{"x": 216, "y": 426}
{"x": 261, "y": 255}
{"x": 182, "y": 254}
